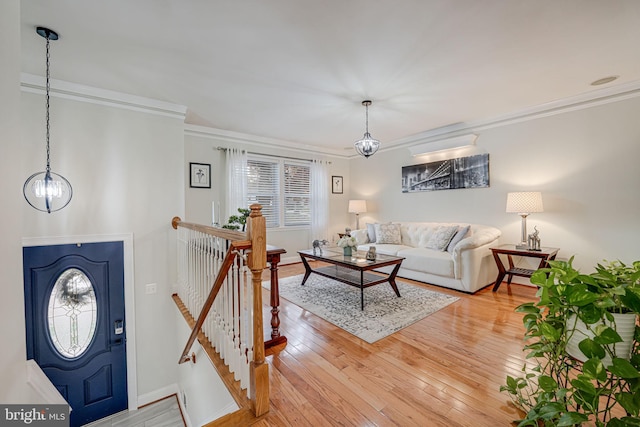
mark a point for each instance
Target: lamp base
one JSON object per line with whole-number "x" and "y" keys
{"x": 523, "y": 245}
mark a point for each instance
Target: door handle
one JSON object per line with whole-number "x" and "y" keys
{"x": 119, "y": 341}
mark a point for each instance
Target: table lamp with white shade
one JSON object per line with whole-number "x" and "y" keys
{"x": 524, "y": 203}
{"x": 357, "y": 207}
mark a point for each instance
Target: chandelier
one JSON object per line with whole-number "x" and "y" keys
{"x": 47, "y": 191}
{"x": 367, "y": 146}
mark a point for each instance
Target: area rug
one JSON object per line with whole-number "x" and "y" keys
{"x": 384, "y": 313}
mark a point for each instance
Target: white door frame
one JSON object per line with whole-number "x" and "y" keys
{"x": 129, "y": 302}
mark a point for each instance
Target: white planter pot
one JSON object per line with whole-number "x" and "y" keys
{"x": 625, "y": 325}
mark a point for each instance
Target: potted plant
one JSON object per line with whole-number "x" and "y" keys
{"x": 238, "y": 221}
{"x": 347, "y": 243}
{"x": 556, "y": 387}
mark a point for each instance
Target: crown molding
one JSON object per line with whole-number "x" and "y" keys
{"x": 36, "y": 84}
{"x": 31, "y": 83}
{"x": 254, "y": 140}
{"x": 579, "y": 102}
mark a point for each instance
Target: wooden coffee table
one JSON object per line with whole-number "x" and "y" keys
{"x": 352, "y": 270}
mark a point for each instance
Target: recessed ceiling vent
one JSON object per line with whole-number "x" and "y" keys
{"x": 604, "y": 80}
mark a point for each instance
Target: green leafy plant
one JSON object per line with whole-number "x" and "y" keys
{"x": 555, "y": 389}
{"x": 236, "y": 222}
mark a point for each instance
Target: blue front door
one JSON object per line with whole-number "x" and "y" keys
{"x": 75, "y": 325}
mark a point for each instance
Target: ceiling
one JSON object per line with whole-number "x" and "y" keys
{"x": 297, "y": 71}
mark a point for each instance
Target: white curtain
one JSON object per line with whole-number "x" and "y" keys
{"x": 236, "y": 162}
{"x": 319, "y": 200}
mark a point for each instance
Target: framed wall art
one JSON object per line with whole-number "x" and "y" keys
{"x": 461, "y": 172}
{"x": 199, "y": 175}
{"x": 336, "y": 184}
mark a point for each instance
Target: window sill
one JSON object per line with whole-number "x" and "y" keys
{"x": 293, "y": 228}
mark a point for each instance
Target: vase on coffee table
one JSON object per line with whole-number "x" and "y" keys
{"x": 347, "y": 250}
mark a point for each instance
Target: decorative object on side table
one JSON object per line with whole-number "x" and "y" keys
{"x": 524, "y": 203}
{"x": 347, "y": 243}
{"x": 599, "y": 385}
{"x": 534, "y": 240}
{"x": 318, "y": 244}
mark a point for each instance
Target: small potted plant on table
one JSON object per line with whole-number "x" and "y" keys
{"x": 347, "y": 243}
{"x": 237, "y": 222}
{"x": 596, "y": 381}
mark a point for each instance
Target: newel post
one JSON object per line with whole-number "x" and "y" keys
{"x": 257, "y": 262}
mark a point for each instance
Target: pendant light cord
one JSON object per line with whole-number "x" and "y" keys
{"x": 47, "y": 88}
{"x": 367, "y": 117}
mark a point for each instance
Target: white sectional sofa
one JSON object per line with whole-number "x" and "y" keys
{"x": 453, "y": 255}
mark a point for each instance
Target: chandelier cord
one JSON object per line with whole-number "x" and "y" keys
{"x": 47, "y": 88}
{"x": 367, "y": 117}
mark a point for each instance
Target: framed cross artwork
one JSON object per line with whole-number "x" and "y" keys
{"x": 199, "y": 175}
{"x": 336, "y": 184}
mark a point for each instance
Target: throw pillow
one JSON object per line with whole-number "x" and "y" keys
{"x": 361, "y": 236}
{"x": 371, "y": 231}
{"x": 460, "y": 234}
{"x": 441, "y": 237}
{"x": 388, "y": 233}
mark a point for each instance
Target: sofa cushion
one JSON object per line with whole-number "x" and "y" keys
{"x": 388, "y": 233}
{"x": 441, "y": 237}
{"x": 416, "y": 234}
{"x": 433, "y": 261}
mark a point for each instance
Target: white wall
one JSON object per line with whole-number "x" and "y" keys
{"x": 584, "y": 162}
{"x": 126, "y": 168}
{"x": 201, "y": 147}
{"x": 13, "y": 387}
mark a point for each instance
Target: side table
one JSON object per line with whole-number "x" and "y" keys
{"x": 545, "y": 254}
{"x": 273, "y": 257}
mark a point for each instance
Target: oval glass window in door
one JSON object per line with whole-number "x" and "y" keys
{"x": 72, "y": 313}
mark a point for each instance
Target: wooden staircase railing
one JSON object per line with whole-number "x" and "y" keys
{"x": 212, "y": 281}
{"x": 220, "y": 278}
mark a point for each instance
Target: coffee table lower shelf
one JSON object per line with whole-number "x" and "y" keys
{"x": 352, "y": 271}
{"x": 351, "y": 277}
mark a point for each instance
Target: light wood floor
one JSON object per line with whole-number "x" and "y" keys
{"x": 444, "y": 370}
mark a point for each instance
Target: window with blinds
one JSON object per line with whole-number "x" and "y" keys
{"x": 297, "y": 197}
{"x": 282, "y": 187}
{"x": 263, "y": 187}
